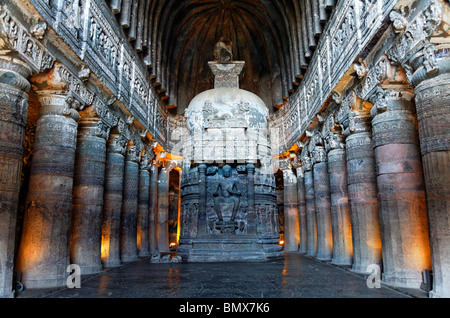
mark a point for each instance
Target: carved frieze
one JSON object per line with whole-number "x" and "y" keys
{"x": 15, "y": 36}
{"x": 416, "y": 31}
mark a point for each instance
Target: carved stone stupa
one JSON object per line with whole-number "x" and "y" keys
{"x": 228, "y": 198}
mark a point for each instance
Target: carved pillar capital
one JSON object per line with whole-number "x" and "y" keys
{"x": 306, "y": 160}
{"x": 319, "y": 154}
{"x": 390, "y": 98}
{"x": 93, "y": 127}
{"x": 14, "y": 72}
{"x": 354, "y": 115}
{"x": 147, "y": 159}
{"x": 429, "y": 62}
{"x": 132, "y": 153}
{"x": 331, "y": 134}
{"x": 420, "y": 45}
{"x": 13, "y": 90}
{"x": 117, "y": 143}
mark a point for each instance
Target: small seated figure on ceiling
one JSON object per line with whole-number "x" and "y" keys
{"x": 223, "y": 51}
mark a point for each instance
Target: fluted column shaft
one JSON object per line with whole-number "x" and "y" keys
{"x": 112, "y": 207}
{"x": 44, "y": 250}
{"x": 323, "y": 205}
{"x": 13, "y": 118}
{"x": 128, "y": 224}
{"x": 291, "y": 220}
{"x": 89, "y": 177}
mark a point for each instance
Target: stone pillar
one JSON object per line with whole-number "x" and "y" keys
{"x": 128, "y": 225}
{"x": 340, "y": 208}
{"x": 362, "y": 186}
{"x": 201, "y": 199}
{"x": 291, "y": 220}
{"x": 44, "y": 249}
{"x": 89, "y": 177}
{"x": 323, "y": 204}
{"x": 113, "y": 193}
{"x": 310, "y": 205}
{"x": 302, "y": 210}
{"x": 431, "y": 80}
{"x": 162, "y": 216}
{"x": 13, "y": 118}
{"x": 143, "y": 207}
{"x": 251, "y": 214}
{"x": 401, "y": 190}
{"x": 153, "y": 208}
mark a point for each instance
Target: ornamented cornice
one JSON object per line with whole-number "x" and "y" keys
{"x": 414, "y": 35}
{"x": 14, "y": 36}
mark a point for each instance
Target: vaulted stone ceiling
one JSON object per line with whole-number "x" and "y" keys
{"x": 176, "y": 39}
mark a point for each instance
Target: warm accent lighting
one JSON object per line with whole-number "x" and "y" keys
{"x": 281, "y": 242}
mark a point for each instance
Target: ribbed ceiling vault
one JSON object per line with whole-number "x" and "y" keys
{"x": 175, "y": 39}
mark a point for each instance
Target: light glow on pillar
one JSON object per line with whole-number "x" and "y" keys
{"x": 105, "y": 249}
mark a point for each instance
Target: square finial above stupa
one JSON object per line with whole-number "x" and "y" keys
{"x": 226, "y": 75}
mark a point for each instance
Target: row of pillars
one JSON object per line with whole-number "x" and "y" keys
{"x": 373, "y": 186}
{"x": 92, "y": 200}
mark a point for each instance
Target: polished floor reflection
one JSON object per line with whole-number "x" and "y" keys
{"x": 294, "y": 276}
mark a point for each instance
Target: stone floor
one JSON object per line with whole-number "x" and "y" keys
{"x": 294, "y": 276}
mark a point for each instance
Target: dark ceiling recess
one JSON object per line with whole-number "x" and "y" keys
{"x": 175, "y": 39}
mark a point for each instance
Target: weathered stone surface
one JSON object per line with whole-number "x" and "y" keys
{"x": 13, "y": 118}
{"x": 432, "y": 100}
{"x": 113, "y": 195}
{"x": 302, "y": 210}
{"x": 322, "y": 204}
{"x": 291, "y": 216}
{"x": 340, "y": 208}
{"x": 87, "y": 206}
{"x": 234, "y": 194}
{"x": 310, "y": 214}
{"x": 401, "y": 191}
{"x": 162, "y": 214}
{"x": 128, "y": 220}
{"x": 362, "y": 186}
{"x": 44, "y": 251}
{"x": 153, "y": 204}
{"x": 143, "y": 209}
